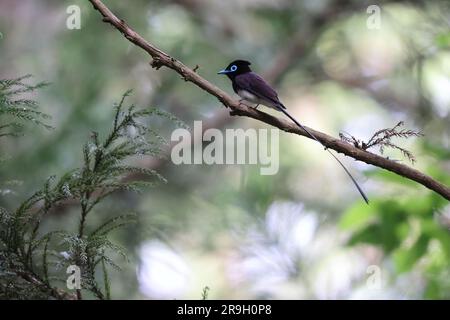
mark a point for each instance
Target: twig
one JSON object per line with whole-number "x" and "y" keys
{"x": 54, "y": 292}
{"x": 161, "y": 58}
{"x": 382, "y": 139}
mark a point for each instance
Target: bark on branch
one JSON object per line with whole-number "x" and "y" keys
{"x": 161, "y": 58}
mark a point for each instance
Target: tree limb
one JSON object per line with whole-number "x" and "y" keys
{"x": 53, "y": 291}
{"x": 161, "y": 58}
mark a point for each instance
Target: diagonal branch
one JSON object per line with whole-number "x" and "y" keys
{"x": 161, "y": 58}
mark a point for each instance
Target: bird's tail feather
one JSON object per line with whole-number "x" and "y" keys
{"x": 282, "y": 108}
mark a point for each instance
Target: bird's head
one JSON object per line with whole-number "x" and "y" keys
{"x": 235, "y": 68}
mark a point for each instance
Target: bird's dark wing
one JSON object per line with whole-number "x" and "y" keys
{"x": 256, "y": 85}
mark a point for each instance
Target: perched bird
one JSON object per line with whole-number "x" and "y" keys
{"x": 251, "y": 87}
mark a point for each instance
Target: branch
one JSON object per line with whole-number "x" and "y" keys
{"x": 281, "y": 62}
{"x": 54, "y": 292}
{"x": 161, "y": 58}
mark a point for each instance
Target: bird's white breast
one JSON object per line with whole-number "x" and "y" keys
{"x": 244, "y": 94}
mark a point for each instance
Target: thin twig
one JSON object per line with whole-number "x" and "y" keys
{"x": 382, "y": 139}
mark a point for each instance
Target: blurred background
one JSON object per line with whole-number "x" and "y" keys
{"x": 301, "y": 234}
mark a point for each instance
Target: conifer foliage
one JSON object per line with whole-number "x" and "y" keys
{"x": 15, "y": 109}
{"x": 33, "y": 264}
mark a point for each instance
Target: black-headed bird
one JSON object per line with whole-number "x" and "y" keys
{"x": 251, "y": 87}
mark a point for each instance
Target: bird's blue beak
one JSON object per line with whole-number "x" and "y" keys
{"x": 224, "y": 71}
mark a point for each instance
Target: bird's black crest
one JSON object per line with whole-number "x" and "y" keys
{"x": 241, "y": 63}
{"x": 236, "y": 67}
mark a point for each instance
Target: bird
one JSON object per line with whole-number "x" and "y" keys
{"x": 253, "y": 88}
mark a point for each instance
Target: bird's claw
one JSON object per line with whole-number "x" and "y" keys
{"x": 248, "y": 106}
{"x": 244, "y": 104}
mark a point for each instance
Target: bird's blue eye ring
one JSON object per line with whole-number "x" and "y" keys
{"x": 233, "y": 68}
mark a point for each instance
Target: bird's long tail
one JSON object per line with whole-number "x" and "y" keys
{"x": 283, "y": 109}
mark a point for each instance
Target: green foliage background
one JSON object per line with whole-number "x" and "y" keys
{"x": 347, "y": 78}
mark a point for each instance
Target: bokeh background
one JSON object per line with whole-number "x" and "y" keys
{"x": 301, "y": 234}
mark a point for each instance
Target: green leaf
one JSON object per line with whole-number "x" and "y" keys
{"x": 406, "y": 258}
{"x": 358, "y": 216}
{"x": 106, "y": 280}
{"x": 369, "y": 235}
{"x": 443, "y": 40}
{"x": 112, "y": 224}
